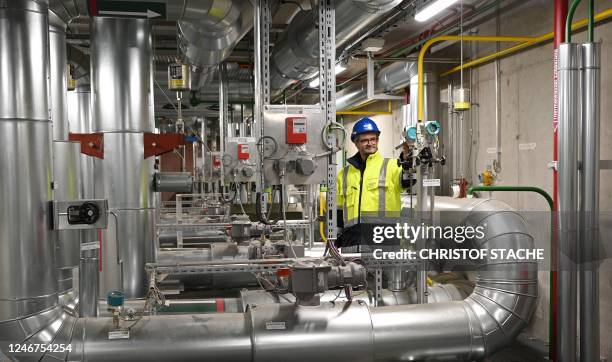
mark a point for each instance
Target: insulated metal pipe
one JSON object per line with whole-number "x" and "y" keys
{"x": 502, "y": 304}
{"x": 295, "y": 58}
{"x": 80, "y": 121}
{"x": 570, "y": 62}
{"x": 66, "y": 154}
{"x": 589, "y": 243}
{"x": 121, "y": 86}
{"x": 27, "y": 253}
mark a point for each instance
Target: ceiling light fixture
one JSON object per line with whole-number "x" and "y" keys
{"x": 433, "y": 8}
{"x": 337, "y": 70}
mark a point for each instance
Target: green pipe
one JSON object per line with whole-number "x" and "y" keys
{"x": 514, "y": 188}
{"x": 550, "y": 203}
{"x": 568, "y": 22}
{"x": 591, "y": 28}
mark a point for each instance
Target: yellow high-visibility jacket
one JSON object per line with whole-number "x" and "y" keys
{"x": 376, "y": 193}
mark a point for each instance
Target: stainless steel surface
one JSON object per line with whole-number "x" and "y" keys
{"x": 66, "y": 171}
{"x": 589, "y": 274}
{"x": 274, "y": 126}
{"x": 126, "y": 251}
{"x": 121, "y": 67}
{"x": 58, "y": 79}
{"x": 89, "y": 276}
{"x": 296, "y": 56}
{"x": 173, "y": 182}
{"x": 431, "y": 103}
{"x": 205, "y": 337}
{"x": 28, "y": 291}
{"x": 391, "y": 78}
{"x": 570, "y": 62}
{"x": 26, "y": 244}
{"x": 486, "y": 320}
{"x": 295, "y": 333}
{"x": 80, "y": 121}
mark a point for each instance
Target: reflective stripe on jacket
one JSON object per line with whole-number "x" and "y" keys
{"x": 381, "y": 190}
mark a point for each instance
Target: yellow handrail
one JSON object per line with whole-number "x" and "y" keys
{"x": 606, "y": 14}
{"x": 430, "y": 42}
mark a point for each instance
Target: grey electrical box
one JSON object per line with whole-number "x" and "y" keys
{"x": 301, "y": 164}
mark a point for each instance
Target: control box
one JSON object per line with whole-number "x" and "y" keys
{"x": 79, "y": 214}
{"x": 216, "y": 161}
{"x": 296, "y": 132}
{"x": 243, "y": 151}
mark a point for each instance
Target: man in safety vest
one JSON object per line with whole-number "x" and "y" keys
{"x": 369, "y": 187}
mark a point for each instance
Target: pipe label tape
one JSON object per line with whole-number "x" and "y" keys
{"x": 431, "y": 182}
{"x": 119, "y": 334}
{"x": 90, "y": 246}
{"x": 275, "y": 325}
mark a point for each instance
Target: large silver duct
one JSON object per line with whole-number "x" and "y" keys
{"x": 501, "y": 304}
{"x": 121, "y": 86}
{"x": 296, "y": 56}
{"x": 394, "y": 77}
{"x": 208, "y": 32}
{"x": 28, "y": 290}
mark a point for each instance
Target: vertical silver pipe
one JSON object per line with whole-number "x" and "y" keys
{"x": 66, "y": 154}
{"x": 570, "y": 61}
{"x": 222, "y": 114}
{"x": 121, "y": 66}
{"x": 29, "y": 283}
{"x": 89, "y": 280}
{"x": 589, "y": 276}
{"x": 80, "y": 121}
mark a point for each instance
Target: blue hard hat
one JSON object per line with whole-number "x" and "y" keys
{"x": 364, "y": 125}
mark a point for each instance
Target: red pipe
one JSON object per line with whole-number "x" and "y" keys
{"x": 560, "y": 15}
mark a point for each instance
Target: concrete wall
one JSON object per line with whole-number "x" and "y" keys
{"x": 527, "y": 130}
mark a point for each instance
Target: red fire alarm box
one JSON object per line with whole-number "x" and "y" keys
{"x": 243, "y": 152}
{"x": 216, "y": 161}
{"x": 296, "y": 130}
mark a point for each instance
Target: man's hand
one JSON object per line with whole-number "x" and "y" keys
{"x": 406, "y": 149}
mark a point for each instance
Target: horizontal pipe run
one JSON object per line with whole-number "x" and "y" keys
{"x": 604, "y": 15}
{"x": 429, "y": 43}
{"x": 538, "y": 190}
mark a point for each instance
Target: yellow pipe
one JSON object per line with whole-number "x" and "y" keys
{"x": 430, "y": 42}
{"x": 540, "y": 39}
{"x": 388, "y": 112}
{"x": 321, "y": 213}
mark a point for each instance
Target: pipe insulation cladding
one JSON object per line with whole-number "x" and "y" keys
{"x": 122, "y": 101}
{"x": 500, "y": 306}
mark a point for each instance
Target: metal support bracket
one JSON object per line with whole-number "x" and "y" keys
{"x": 327, "y": 93}
{"x": 92, "y": 144}
{"x": 158, "y": 144}
{"x": 370, "y": 84}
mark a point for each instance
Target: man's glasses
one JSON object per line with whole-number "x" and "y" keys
{"x": 365, "y": 141}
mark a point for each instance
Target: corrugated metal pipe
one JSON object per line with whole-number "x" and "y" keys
{"x": 500, "y": 306}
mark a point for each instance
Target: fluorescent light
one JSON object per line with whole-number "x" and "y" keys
{"x": 432, "y": 9}
{"x": 337, "y": 70}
